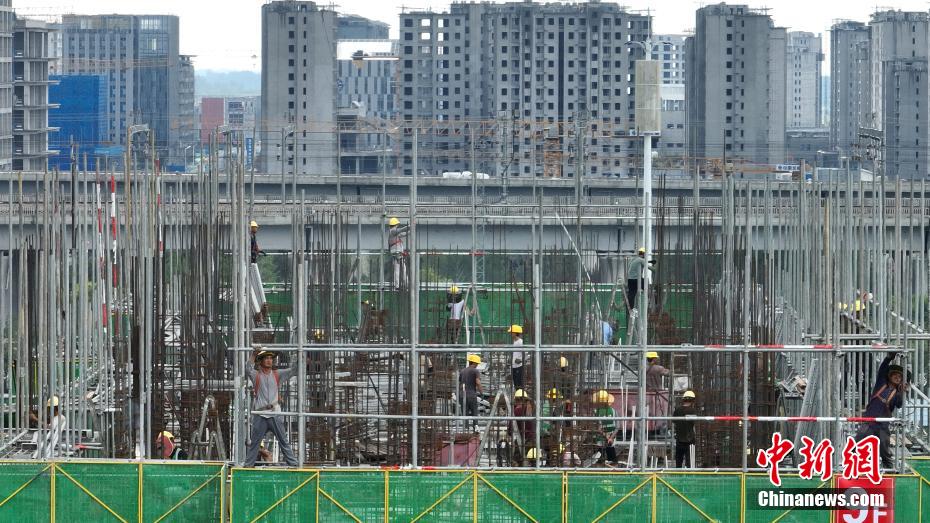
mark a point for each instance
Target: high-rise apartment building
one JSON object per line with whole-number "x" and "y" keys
{"x": 850, "y": 84}
{"x": 79, "y": 118}
{"x": 139, "y": 56}
{"x": 803, "y": 81}
{"x": 298, "y": 88}
{"x": 525, "y": 80}
{"x": 670, "y": 50}
{"x": 6, "y": 85}
{"x": 736, "y": 93}
{"x": 898, "y": 80}
{"x": 31, "y": 59}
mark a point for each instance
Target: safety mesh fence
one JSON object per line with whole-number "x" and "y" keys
{"x": 167, "y": 491}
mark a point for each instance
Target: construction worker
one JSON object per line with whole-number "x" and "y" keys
{"x": 256, "y": 250}
{"x": 656, "y": 394}
{"x": 470, "y": 385}
{"x": 523, "y": 408}
{"x": 167, "y": 448}
{"x": 517, "y": 361}
{"x": 531, "y": 457}
{"x": 266, "y": 384}
{"x": 455, "y": 304}
{"x": 603, "y": 408}
{"x": 654, "y": 372}
{"x": 398, "y": 249}
{"x": 635, "y": 275}
{"x": 887, "y": 395}
{"x": 684, "y": 430}
{"x": 57, "y": 424}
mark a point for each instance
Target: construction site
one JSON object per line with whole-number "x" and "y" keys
{"x": 134, "y": 301}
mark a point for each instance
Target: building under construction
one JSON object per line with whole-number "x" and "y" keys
{"x": 131, "y": 297}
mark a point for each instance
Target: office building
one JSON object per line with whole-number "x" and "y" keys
{"x": 139, "y": 57}
{"x": 298, "y": 104}
{"x": 803, "y": 81}
{"x": 673, "y": 142}
{"x": 850, "y": 86}
{"x": 354, "y": 27}
{"x": 79, "y": 119}
{"x": 31, "y": 82}
{"x": 736, "y": 108}
{"x": 526, "y": 81}
{"x": 188, "y": 121}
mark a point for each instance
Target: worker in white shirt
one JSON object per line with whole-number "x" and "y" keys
{"x": 456, "y": 307}
{"x": 57, "y": 423}
{"x": 518, "y": 360}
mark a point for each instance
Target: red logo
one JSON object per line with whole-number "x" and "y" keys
{"x": 770, "y": 458}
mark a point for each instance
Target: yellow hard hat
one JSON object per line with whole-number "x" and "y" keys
{"x": 858, "y": 305}
{"x": 553, "y": 393}
{"x": 610, "y": 399}
{"x": 474, "y": 358}
{"x": 253, "y": 223}
{"x": 515, "y": 329}
{"x": 393, "y": 222}
{"x": 52, "y": 402}
{"x": 601, "y": 396}
{"x": 652, "y": 354}
{"x": 453, "y": 290}
{"x": 520, "y": 394}
{"x": 688, "y": 395}
{"x": 318, "y": 333}
{"x": 165, "y": 434}
{"x": 642, "y": 250}
{"x": 531, "y": 454}
{"x": 264, "y": 352}
{"x": 563, "y": 362}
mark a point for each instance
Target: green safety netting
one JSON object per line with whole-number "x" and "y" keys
{"x": 273, "y": 495}
{"x": 182, "y": 492}
{"x": 25, "y": 492}
{"x": 108, "y": 491}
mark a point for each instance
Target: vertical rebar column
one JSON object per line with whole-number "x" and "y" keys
{"x": 644, "y": 294}
{"x": 414, "y": 282}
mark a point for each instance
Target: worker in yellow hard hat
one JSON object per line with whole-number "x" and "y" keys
{"x": 167, "y": 448}
{"x": 253, "y": 234}
{"x": 636, "y": 268}
{"x": 526, "y": 435}
{"x": 266, "y": 383}
{"x": 684, "y": 430}
{"x": 603, "y": 408}
{"x": 455, "y": 304}
{"x": 518, "y": 358}
{"x": 397, "y": 235}
{"x": 56, "y": 424}
{"x": 656, "y": 393}
{"x": 470, "y": 385}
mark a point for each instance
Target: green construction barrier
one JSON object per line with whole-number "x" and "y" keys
{"x": 26, "y": 492}
{"x": 183, "y": 492}
{"x": 431, "y": 496}
{"x": 351, "y": 495}
{"x": 97, "y": 491}
{"x": 520, "y": 496}
{"x": 273, "y": 495}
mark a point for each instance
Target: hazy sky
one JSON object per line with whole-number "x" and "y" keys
{"x": 226, "y": 34}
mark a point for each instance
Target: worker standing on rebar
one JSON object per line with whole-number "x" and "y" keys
{"x": 253, "y": 238}
{"x": 266, "y": 384}
{"x": 604, "y": 439}
{"x": 656, "y": 393}
{"x": 470, "y": 385}
{"x": 523, "y": 408}
{"x": 684, "y": 430}
{"x": 397, "y": 234}
{"x": 455, "y": 304}
{"x": 57, "y": 423}
{"x": 635, "y": 275}
{"x": 167, "y": 448}
{"x": 887, "y": 395}
{"x": 518, "y": 359}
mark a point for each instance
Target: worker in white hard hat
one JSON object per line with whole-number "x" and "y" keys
{"x": 635, "y": 276}
{"x": 56, "y": 424}
{"x": 167, "y": 448}
{"x": 470, "y": 385}
{"x": 684, "y": 430}
{"x": 455, "y": 304}
{"x": 266, "y": 385}
{"x": 397, "y": 235}
{"x": 253, "y": 234}
{"x": 518, "y": 358}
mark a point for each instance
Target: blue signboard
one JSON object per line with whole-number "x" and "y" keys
{"x": 248, "y": 151}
